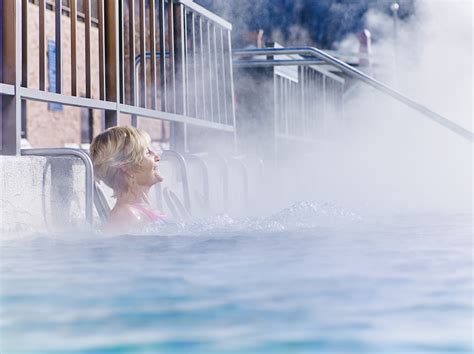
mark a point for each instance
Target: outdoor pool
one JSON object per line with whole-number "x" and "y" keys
{"x": 311, "y": 279}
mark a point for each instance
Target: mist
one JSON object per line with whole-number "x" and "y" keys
{"x": 386, "y": 157}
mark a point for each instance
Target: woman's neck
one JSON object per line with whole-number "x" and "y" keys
{"x": 134, "y": 196}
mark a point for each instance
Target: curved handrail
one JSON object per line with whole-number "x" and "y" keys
{"x": 184, "y": 175}
{"x": 204, "y": 168}
{"x": 88, "y": 171}
{"x": 245, "y": 176}
{"x": 455, "y": 128}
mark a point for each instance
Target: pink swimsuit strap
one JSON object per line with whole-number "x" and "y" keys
{"x": 150, "y": 214}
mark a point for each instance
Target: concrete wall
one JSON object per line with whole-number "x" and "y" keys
{"x": 41, "y": 195}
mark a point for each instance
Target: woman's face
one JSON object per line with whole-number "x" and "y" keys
{"x": 147, "y": 173}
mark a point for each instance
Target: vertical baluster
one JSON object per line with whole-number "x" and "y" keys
{"x": 224, "y": 75}
{"x": 280, "y": 103}
{"x": 331, "y": 102}
{"x": 172, "y": 58}
{"x": 87, "y": 26}
{"x": 59, "y": 57}
{"x": 143, "y": 95}
{"x": 132, "y": 62}
{"x": 153, "y": 53}
{"x": 73, "y": 18}
{"x": 122, "y": 51}
{"x": 179, "y": 130}
{"x": 287, "y": 111}
{"x": 276, "y": 101}
{"x": 215, "y": 63}
{"x": 314, "y": 97}
{"x": 324, "y": 105}
{"x": 112, "y": 54}
{"x": 205, "y": 100}
{"x": 310, "y": 99}
{"x": 231, "y": 83}
{"x": 304, "y": 103}
{"x": 227, "y": 68}
{"x": 131, "y": 46}
{"x": 24, "y": 61}
{"x": 279, "y": 125}
{"x": 101, "y": 50}
{"x": 288, "y": 107}
{"x": 184, "y": 61}
{"x": 318, "y": 106}
{"x": 342, "y": 103}
{"x": 210, "y": 69}
{"x": 291, "y": 110}
{"x": 303, "y": 100}
{"x": 296, "y": 110}
{"x": 24, "y": 43}
{"x": 195, "y": 67}
{"x": 284, "y": 106}
{"x": 296, "y": 114}
{"x": 10, "y": 121}
{"x": 42, "y": 45}
{"x": 163, "y": 73}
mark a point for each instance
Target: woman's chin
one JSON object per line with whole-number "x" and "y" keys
{"x": 158, "y": 178}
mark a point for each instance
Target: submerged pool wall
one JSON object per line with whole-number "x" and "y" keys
{"x": 41, "y": 194}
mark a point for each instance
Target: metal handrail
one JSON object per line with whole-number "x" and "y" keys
{"x": 191, "y": 5}
{"x": 184, "y": 175}
{"x": 277, "y": 62}
{"x": 205, "y": 172}
{"x": 225, "y": 177}
{"x": 223, "y": 165}
{"x": 314, "y": 52}
{"x": 89, "y": 202}
{"x": 245, "y": 175}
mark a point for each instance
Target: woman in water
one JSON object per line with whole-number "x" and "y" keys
{"x": 124, "y": 161}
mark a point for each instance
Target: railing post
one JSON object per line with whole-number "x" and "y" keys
{"x": 111, "y": 61}
{"x": 231, "y": 94}
{"x": 163, "y": 48}
{"x": 178, "y": 130}
{"x": 365, "y": 49}
{"x": 58, "y": 8}
{"x": 11, "y": 73}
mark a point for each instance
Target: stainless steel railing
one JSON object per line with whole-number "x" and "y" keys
{"x": 193, "y": 85}
{"x": 293, "y": 102}
{"x": 89, "y": 175}
{"x": 318, "y": 56}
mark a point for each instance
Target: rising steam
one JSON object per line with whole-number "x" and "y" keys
{"x": 387, "y": 157}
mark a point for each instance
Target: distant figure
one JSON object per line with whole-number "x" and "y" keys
{"x": 124, "y": 161}
{"x": 365, "y": 49}
{"x": 252, "y": 39}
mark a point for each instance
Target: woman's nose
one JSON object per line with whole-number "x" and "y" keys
{"x": 157, "y": 157}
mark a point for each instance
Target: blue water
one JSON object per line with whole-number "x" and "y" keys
{"x": 312, "y": 279}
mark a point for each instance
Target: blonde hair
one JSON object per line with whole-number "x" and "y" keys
{"x": 114, "y": 150}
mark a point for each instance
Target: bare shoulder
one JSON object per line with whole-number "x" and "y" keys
{"x": 123, "y": 213}
{"x": 123, "y": 217}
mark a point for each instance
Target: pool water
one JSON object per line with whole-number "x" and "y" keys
{"x": 311, "y": 279}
